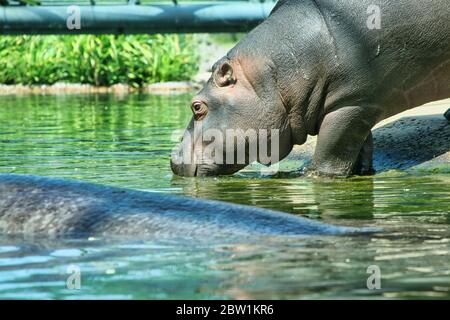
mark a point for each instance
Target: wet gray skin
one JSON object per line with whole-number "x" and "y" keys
{"x": 53, "y": 208}
{"x": 316, "y": 68}
{"x": 447, "y": 115}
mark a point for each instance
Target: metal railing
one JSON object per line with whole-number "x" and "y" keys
{"x": 130, "y": 16}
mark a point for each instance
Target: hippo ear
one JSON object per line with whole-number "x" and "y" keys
{"x": 224, "y": 75}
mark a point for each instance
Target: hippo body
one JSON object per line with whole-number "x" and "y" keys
{"x": 328, "y": 68}
{"x": 35, "y": 206}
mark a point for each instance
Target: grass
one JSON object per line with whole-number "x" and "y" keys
{"x": 103, "y": 60}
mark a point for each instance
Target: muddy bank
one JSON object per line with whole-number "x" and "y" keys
{"x": 174, "y": 87}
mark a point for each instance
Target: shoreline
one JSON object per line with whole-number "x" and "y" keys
{"x": 162, "y": 88}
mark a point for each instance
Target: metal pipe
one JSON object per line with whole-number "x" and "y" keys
{"x": 132, "y": 19}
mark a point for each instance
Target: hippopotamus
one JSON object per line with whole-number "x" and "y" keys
{"x": 35, "y": 206}
{"x": 322, "y": 67}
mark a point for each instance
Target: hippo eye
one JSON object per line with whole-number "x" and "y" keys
{"x": 199, "y": 109}
{"x": 224, "y": 75}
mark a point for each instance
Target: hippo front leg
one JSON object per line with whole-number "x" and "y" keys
{"x": 364, "y": 162}
{"x": 345, "y": 145}
{"x": 447, "y": 114}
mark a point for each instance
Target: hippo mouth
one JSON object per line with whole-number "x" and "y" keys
{"x": 199, "y": 166}
{"x": 184, "y": 170}
{"x": 202, "y": 170}
{"x": 189, "y": 165}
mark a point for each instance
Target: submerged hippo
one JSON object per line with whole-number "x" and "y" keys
{"x": 46, "y": 207}
{"x": 323, "y": 67}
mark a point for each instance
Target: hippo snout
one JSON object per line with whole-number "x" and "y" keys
{"x": 188, "y": 158}
{"x": 189, "y": 166}
{"x": 184, "y": 170}
{"x": 180, "y": 165}
{"x": 190, "y": 161}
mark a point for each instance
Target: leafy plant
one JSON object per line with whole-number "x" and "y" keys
{"x": 99, "y": 60}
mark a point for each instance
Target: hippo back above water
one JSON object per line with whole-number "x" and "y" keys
{"x": 34, "y": 206}
{"x": 319, "y": 67}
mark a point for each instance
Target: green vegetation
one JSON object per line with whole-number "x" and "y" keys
{"x": 99, "y": 60}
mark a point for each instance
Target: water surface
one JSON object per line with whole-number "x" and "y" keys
{"x": 126, "y": 141}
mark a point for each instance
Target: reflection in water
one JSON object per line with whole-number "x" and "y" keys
{"x": 359, "y": 199}
{"x": 126, "y": 141}
{"x": 96, "y": 138}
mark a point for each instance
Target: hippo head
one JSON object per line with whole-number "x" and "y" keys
{"x": 238, "y": 117}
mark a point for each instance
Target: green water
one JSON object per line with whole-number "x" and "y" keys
{"x": 126, "y": 141}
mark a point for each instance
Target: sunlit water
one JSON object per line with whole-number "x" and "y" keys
{"x": 126, "y": 141}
